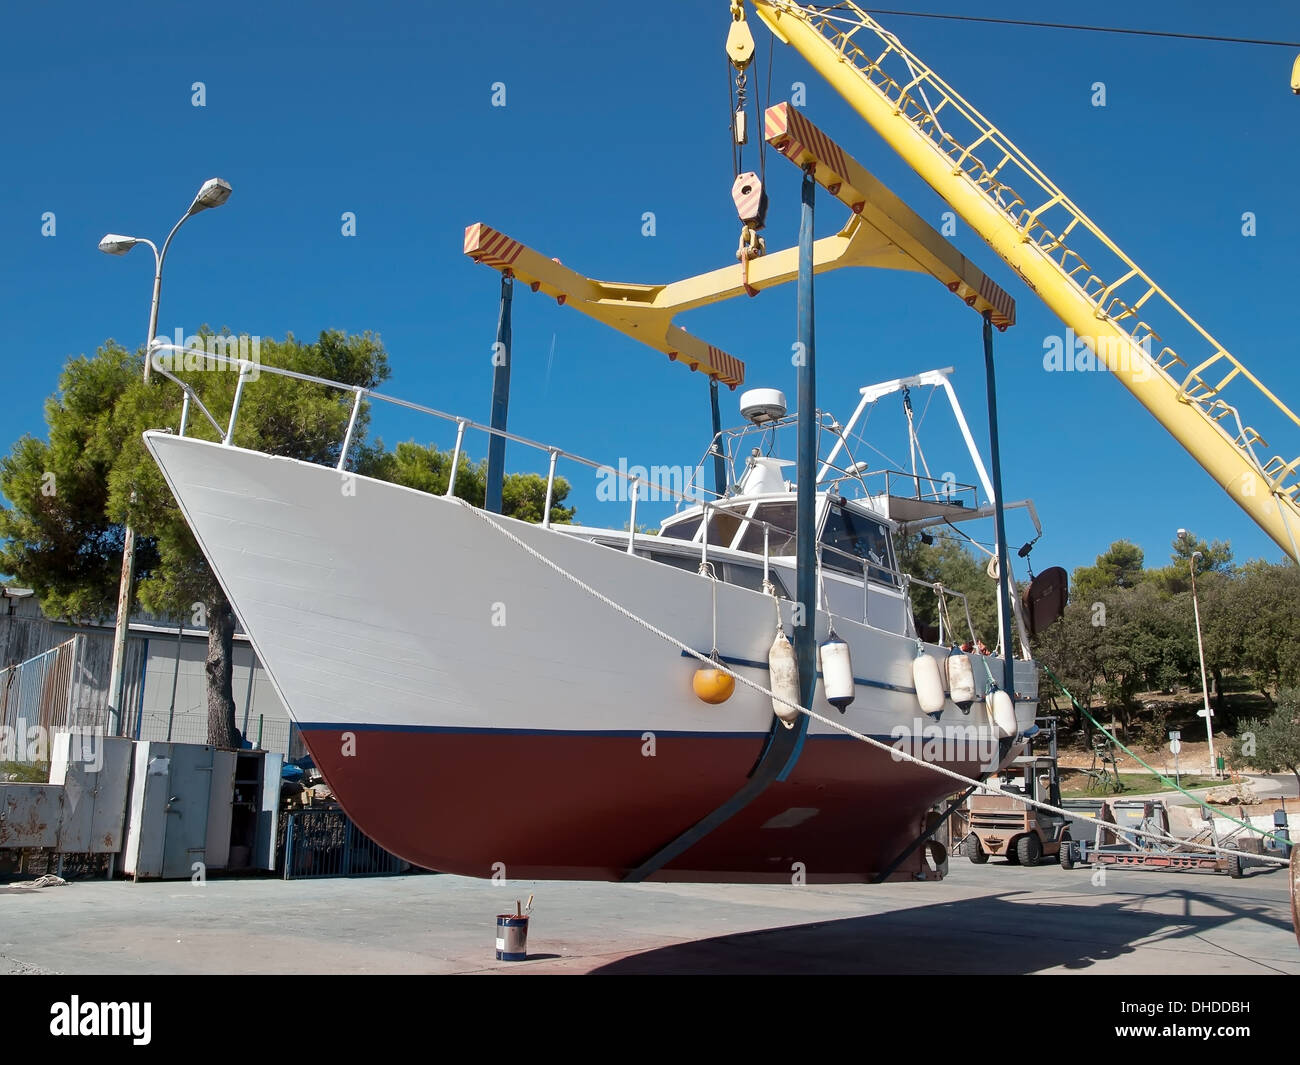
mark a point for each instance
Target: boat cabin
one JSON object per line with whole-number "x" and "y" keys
{"x": 854, "y": 540}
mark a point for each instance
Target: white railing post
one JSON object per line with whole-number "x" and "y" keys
{"x": 866, "y": 580}
{"x": 704, "y": 536}
{"x": 631, "y": 521}
{"x": 455, "y": 457}
{"x": 767, "y": 569}
{"x": 234, "y": 407}
{"x": 185, "y": 413}
{"x": 352, "y": 424}
{"x": 550, "y": 489}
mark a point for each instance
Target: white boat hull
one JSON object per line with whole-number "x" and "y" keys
{"x": 476, "y": 711}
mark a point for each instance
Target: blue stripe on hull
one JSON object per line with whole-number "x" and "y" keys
{"x": 334, "y": 726}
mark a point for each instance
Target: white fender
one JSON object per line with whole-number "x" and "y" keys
{"x": 1002, "y": 711}
{"x": 837, "y": 673}
{"x": 929, "y": 687}
{"x": 961, "y": 680}
{"x": 783, "y": 674}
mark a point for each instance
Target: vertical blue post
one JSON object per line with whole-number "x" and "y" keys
{"x": 719, "y": 464}
{"x": 288, "y": 847}
{"x": 805, "y": 628}
{"x": 1004, "y": 565}
{"x": 500, "y": 399}
{"x": 139, "y": 702}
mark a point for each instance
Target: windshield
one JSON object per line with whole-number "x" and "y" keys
{"x": 861, "y": 538}
{"x": 780, "y": 539}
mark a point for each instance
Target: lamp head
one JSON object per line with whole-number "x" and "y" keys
{"x": 213, "y": 193}
{"x": 116, "y": 244}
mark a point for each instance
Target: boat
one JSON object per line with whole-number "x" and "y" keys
{"x": 495, "y": 698}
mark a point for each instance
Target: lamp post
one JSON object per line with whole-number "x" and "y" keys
{"x": 1200, "y": 651}
{"x": 213, "y": 193}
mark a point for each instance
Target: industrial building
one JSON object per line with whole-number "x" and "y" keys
{"x": 55, "y": 673}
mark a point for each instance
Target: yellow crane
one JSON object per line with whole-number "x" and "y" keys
{"x": 1196, "y": 390}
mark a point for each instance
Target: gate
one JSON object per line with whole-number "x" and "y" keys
{"x": 319, "y": 843}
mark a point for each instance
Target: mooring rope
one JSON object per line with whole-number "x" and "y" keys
{"x": 894, "y": 752}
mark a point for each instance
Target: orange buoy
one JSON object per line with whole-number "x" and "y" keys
{"x": 712, "y": 685}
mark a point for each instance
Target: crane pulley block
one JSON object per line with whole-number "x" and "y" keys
{"x": 751, "y": 200}
{"x": 740, "y": 42}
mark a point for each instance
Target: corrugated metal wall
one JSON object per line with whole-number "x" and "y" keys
{"x": 24, "y": 631}
{"x": 67, "y": 686}
{"x": 166, "y": 693}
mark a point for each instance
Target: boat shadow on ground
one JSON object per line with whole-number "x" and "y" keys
{"x": 1011, "y": 933}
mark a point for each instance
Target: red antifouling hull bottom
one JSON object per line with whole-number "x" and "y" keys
{"x": 585, "y": 806}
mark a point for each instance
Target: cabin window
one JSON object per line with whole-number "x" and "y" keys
{"x": 860, "y": 537}
{"x": 690, "y": 563}
{"x": 682, "y": 530}
{"x": 780, "y": 538}
{"x": 741, "y": 574}
{"x": 723, "y": 526}
{"x": 751, "y": 577}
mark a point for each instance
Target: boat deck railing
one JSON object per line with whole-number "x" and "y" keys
{"x": 161, "y": 354}
{"x": 729, "y": 445}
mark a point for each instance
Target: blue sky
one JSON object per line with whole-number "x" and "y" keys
{"x": 384, "y": 109}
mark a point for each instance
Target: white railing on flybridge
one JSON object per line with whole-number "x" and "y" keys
{"x": 693, "y": 494}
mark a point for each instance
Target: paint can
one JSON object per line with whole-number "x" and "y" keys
{"x": 512, "y": 937}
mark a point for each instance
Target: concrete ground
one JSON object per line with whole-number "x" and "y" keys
{"x": 993, "y": 918}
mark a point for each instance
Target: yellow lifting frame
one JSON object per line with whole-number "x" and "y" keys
{"x": 925, "y": 250}
{"x": 882, "y": 232}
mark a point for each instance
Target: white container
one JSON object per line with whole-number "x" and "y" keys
{"x": 929, "y": 686}
{"x": 837, "y": 673}
{"x": 1002, "y": 711}
{"x": 961, "y": 680}
{"x": 783, "y": 674}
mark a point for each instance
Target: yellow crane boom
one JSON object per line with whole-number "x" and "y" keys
{"x": 1106, "y": 299}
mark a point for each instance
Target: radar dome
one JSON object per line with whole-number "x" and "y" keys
{"x": 762, "y": 405}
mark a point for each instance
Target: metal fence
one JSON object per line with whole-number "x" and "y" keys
{"x": 67, "y": 687}
{"x": 320, "y": 843}
{"x": 264, "y": 735}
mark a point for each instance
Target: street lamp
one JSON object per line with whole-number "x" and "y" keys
{"x": 212, "y": 193}
{"x": 1200, "y": 650}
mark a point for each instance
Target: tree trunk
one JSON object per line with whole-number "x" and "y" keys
{"x": 1217, "y": 674}
{"x": 220, "y": 668}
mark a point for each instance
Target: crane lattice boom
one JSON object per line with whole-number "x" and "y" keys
{"x": 1105, "y": 298}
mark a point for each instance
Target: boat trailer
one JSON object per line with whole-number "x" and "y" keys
{"x": 1145, "y": 852}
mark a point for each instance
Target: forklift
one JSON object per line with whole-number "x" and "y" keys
{"x": 1023, "y": 834}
